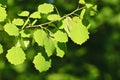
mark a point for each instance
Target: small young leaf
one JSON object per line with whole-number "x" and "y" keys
{"x": 89, "y": 5}
{"x": 35, "y": 15}
{"x": 52, "y": 17}
{"x": 24, "y": 13}
{"x": 3, "y": 14}
{"x": 18, "y": 44}
{"x": 82, "y": 1}
{"x": 49, "y": 46}
{"x": 61, "y": 36}
{"x": 26, "y": 43}
{"x": 94, "y": 7}
{"x": 82, "y": 14}
{"x": 11, "y": 29}
{"x": 16, "y": 55}
{"x": 1, "y": 49}
{"x": 45, "y": 8}
{"x": 40, "y": 63}
{"x": 40, "y": 36}
{"x": 18, "y": 22}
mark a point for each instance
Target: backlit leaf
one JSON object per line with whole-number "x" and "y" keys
{"x": 45, "y": 8}
{"x": 35, "y": 15}
{"x": 89, "y": 5}
{"x": 3, "y": 14}
{"x": 82, "y": 1}
{"x": 18, "y": 22}
{"x": 24, "y": 13}
{"x": 61, "y": 36}
{"x": 40, "y": 63}
{"x": 40, "y": 36}
{"x": 78, "y": 33}
{"x": 11, "y": 29}
{"x": 25, "y": 33}
{"x": 52, "y": 17}
{"x": 16, "y": 55}
{"x": 60, "y": 49}
{"x": 49, "y": 46}
{"x": 63, "y": 24}
{"x": 68, "y": 21}
{"x": 1, "y": 49}
{"x": 82, "y": 14}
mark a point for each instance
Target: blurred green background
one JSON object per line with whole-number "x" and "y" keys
{"x": 97, "y": 59}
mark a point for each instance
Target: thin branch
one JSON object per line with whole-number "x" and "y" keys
{"x": 43, "y": 24}
{"x": 40, "y": 25}
{"x": 57, "y": 10}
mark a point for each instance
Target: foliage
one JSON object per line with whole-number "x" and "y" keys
{"x": 96, "y": 58}
{"x": 51, "y": 41}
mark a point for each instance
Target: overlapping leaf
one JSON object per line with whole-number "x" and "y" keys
{"x": 63, "y": 24}
{"x": 68, "y": 22}
{"x": 40, "y": 36}
{"x": 40, "y": 63}
{"x": 61, "y": 36}
{"x": 49, "y": 46}
{"x": 60, "y": 48}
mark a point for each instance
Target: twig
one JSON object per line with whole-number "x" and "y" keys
{"x": 43, "y": 24}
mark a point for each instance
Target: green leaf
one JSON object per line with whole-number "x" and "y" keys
{"x": 52, "y": 17}
{"x": 82, "y": 1}
{"x": 49, "y": 46}
{"x": 35, "y": 15}
{"x": 3, "y": 14}
{"x": 24, "y": 13}
{"x": 93, "y": 10}
{"x": 40, "y": 63}
{"x": 78, "y": 33}
{"x": 18, "y": 44}
{"x": 16, "y": 55}
{"x": 18, "y": 22}
{"x": 94, "y": 7}
{"x": 11, "y": 29}
{"x": 82, "y": 14}
{"x": 60, "y": 49}
{"x": 63, "y": 24}
{"x": 61, "y": 36}
{"x": 89, "y": 5}
{"x": 26, "y": 43}
{"x": 1, "y": 49}
{"x": 68, "y": 21}
{"x": 40, "y": 36}
{"x": 23, "y": 43}
{"x": 45, "y": 8}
